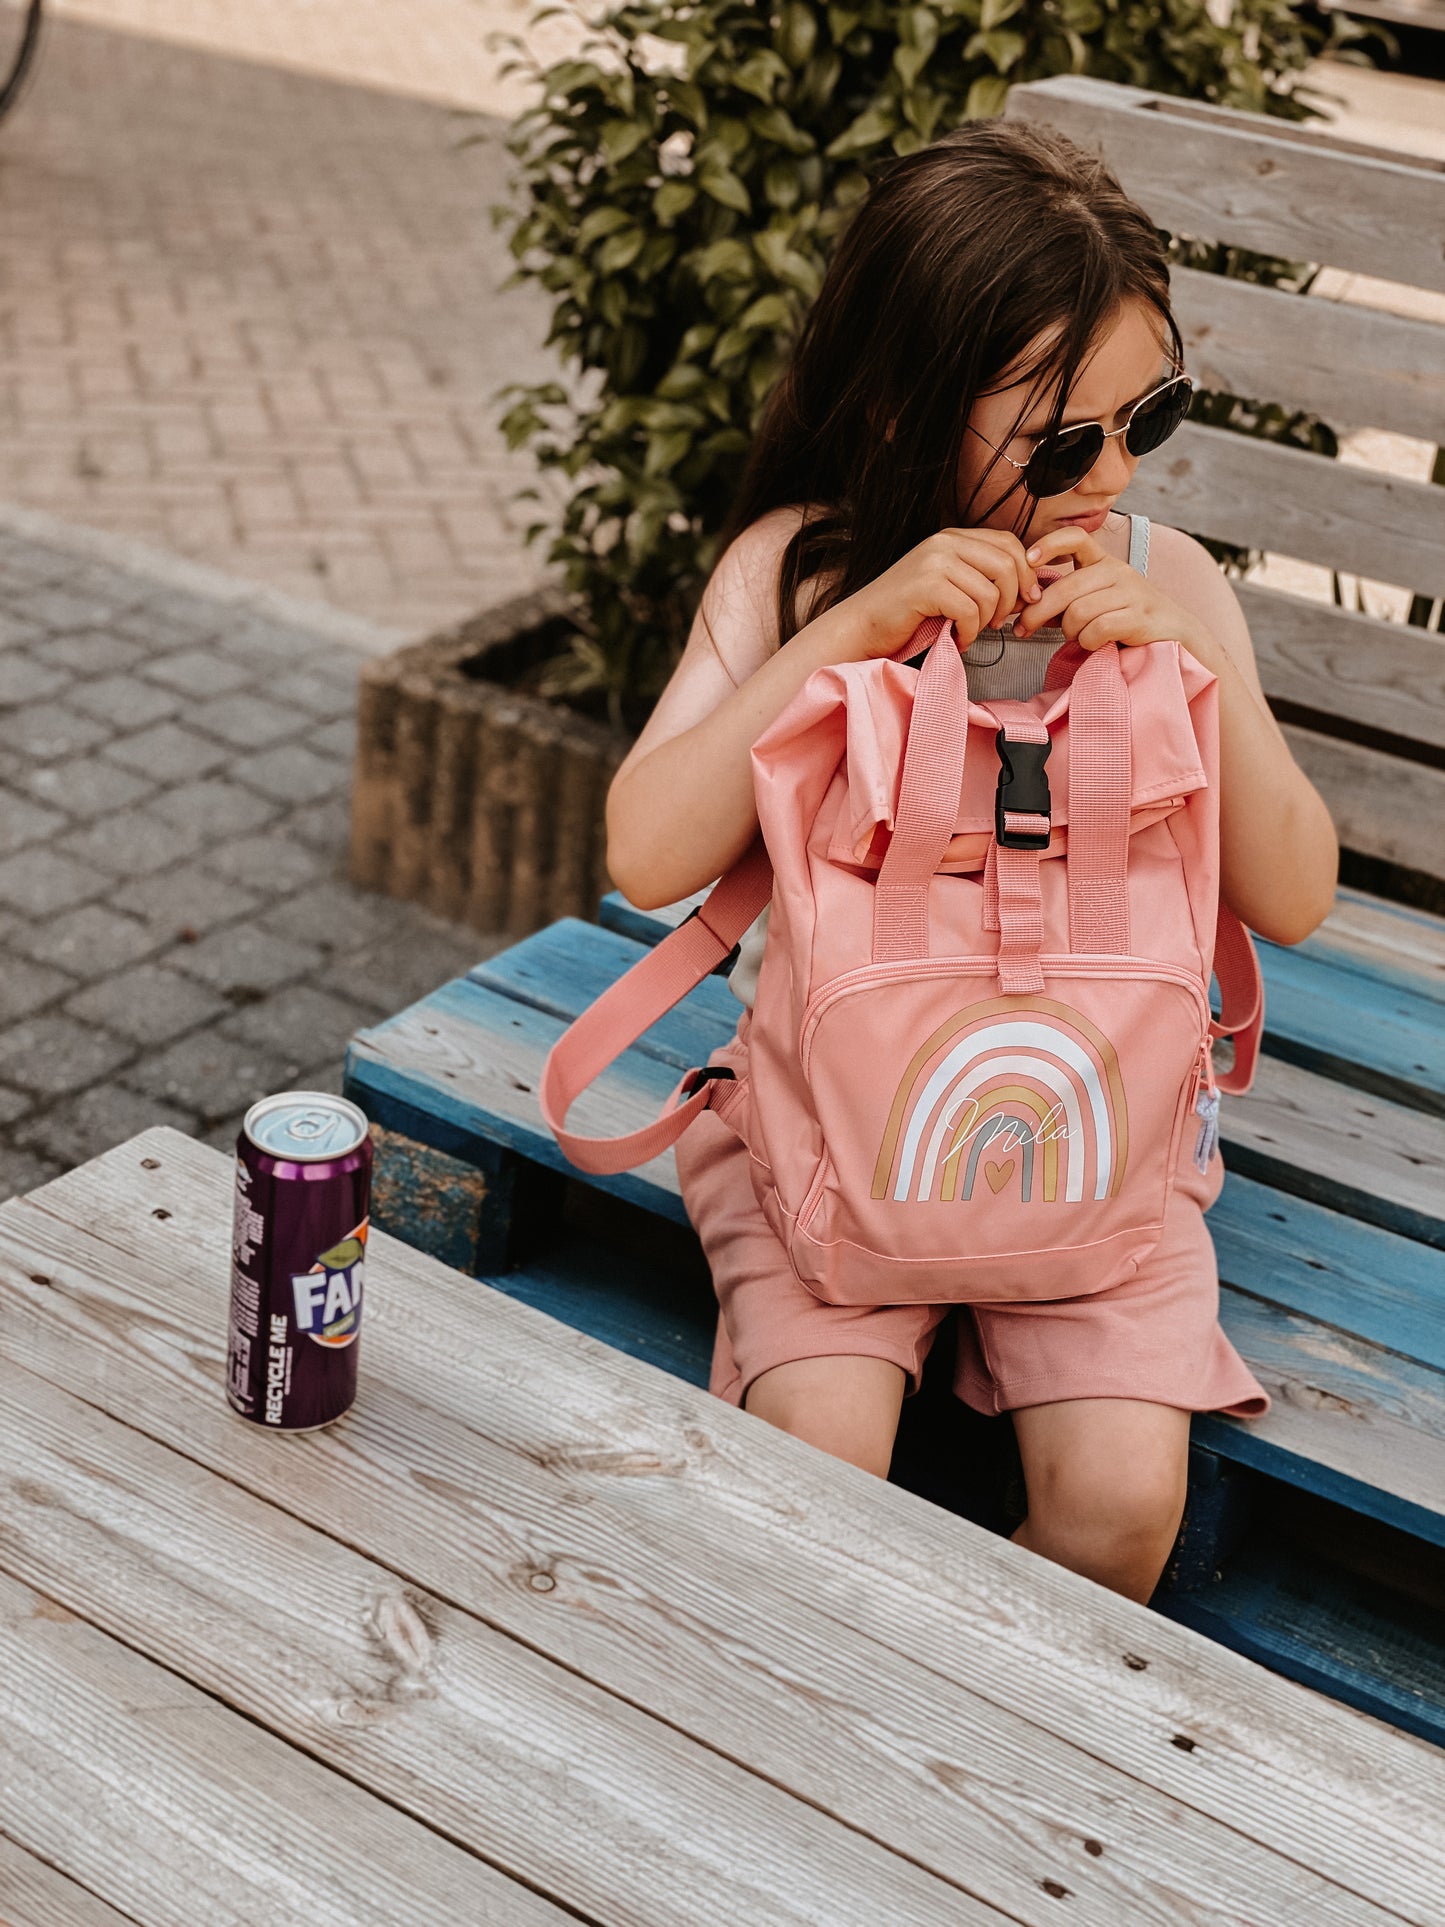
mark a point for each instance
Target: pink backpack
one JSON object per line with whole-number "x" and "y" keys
{"x": 982, "y": 1018}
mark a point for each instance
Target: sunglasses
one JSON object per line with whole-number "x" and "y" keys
{"x": 1066, "y": 458}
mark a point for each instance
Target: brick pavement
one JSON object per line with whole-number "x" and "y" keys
{"x": 251, "y": 314}
{"x": 177, "y": 934}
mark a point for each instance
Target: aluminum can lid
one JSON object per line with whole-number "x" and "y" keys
{"x": 305, "y": 1126}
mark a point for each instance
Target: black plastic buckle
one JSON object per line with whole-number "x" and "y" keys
{"x": 1022, "y": 786}
{"x": 722, "y": 968}
{"x": 695, "y": 1079}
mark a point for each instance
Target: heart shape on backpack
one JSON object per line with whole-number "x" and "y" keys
{"x": 998, "y": 1175}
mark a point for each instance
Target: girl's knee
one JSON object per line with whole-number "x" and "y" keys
{"x": 844, "y": 1404}
{"x": 1119, "y": 1532}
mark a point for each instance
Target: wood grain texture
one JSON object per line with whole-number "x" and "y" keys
{"x": 146, "y": 1792}
{"x": 33, "y": 1894}
{"x": 563, "y": 1785}
{"x": 1387, "y": 936}
{"x": 1380, "y": 674}
{"x": 1382, "y": 805}
{"x": 1356, "y": 367}
{"x": 1358, "y": 1153}
{"x": 1221, "y": 174}
{"x": 1292, "y": 1772}
{"x": 1236, "y": 488}
{"x": 730, "y": 1654}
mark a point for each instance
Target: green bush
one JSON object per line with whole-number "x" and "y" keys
{"x": 679, "y": 190}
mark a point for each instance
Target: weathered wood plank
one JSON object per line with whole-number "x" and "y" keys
{"x": 1350, "y": 1420}
{"x": 140, "y": 1788}
{"x": 1237, "y": 488}
{"x": 1354, "y": 366}
{"x": 1219, "y": 174}
{"x": 166, "y": 1556}
{"x": 1343, "y": 1798}
{"x": 1380, "y": 674}
{"x": 1289, "y": 1251}
{"x": 1372, "y": 1029}
{"x": 564, "y": 1786}
{"x": 1357, "y": 1153}
{"x": 33, "y": 1894}
{"x": 1387, "y": 936}
{"x": 1382, "y": 805}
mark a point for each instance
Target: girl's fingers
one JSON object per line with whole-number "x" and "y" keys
{"x": 1068, "y": 590}
{"x": 1066, "y": 538}
{"x": 1104, "y": 625}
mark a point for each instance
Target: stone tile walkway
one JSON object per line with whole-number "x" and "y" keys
{"x": 251, "y": 314}
{"x": 177, "y": 933}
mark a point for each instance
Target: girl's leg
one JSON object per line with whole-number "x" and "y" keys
{"x": 1106, "y": 1480}
{"x": 844, "y": 1403}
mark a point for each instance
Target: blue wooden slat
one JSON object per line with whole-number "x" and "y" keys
{"x": 1381, "y": 1287}
{"x": 1370, "y": 1385}
{"x": 563, "y": 968}
{"x": 1365, "y": 1026}
{"x": 1349, "y": 1637}
{"x": 636, "y": 1310}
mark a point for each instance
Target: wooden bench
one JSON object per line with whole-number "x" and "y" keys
{"x": 1314, "y": 1539}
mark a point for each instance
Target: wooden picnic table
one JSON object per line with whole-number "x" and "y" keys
{"x": 538, "y": 1632}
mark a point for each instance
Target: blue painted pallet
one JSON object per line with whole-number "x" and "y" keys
{"x": 1345, "y": 1315}
{"x": 1352, "y": 1637}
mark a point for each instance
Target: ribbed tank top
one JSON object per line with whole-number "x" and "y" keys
{"x": 1001, "y": 667}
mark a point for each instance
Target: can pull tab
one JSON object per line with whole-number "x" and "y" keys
{"x": 1206, "y": 1109}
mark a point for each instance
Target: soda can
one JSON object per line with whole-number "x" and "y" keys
{"x": 298, "y": 1250}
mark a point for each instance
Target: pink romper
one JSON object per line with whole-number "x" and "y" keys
{"x": 1156, "y": 1336}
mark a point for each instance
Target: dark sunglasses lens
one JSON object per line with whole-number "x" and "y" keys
{"x": 1057, "y": 465}
{"x": 1157, "y": 420}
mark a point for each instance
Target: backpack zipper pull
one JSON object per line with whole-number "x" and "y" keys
{"x": 1206, "y": 1109}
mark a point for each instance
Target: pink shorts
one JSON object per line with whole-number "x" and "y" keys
{"x": 1156, "y": 1336}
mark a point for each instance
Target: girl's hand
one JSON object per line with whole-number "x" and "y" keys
{"x": 975, "y": 577}
{"x": 1102, "y": 599}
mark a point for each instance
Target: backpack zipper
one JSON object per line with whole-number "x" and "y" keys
{"x": 1059, "y": 964}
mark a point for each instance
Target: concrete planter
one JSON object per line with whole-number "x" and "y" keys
{"x": 478, "y": 801}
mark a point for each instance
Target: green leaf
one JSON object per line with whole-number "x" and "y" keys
{"x": 673, "y": 198}
{"x": 768, "y": 311}
{"x": 701, "y": 335}
{"x": 725, "y": 260}
{"x": 872, "y": 127}
{"x": 726, "y": 189}
{"x": 797, "y": 32}
{"x": 1000, "y": 46}
{"x": 841, "y": 22}
{"x": 623, "y": 137}
{"x": 601, "y": 221}
{"x": 780, "y": 185}
{"x": 986, "y": 97}
{"x": 779, "y": 128}
{"x": 620, "y": 250}
{"x": 664, "y": 452}
{"x": 760, "y": 73}
{"x": 995, "y": 12}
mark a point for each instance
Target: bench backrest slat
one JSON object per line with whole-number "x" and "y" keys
{"x": 1257, "y": 182}
{"x": 1355, "y": 367}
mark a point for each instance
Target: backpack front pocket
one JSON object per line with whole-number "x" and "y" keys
{"x": 981, "y": 1148}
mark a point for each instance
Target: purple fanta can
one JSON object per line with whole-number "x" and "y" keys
{"x": 298, "y": 1251}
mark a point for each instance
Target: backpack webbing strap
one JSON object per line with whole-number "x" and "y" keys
{"x": 657, "y": 981}
{"x": 1241, "y": 999}
{"x": 928, "y": 792}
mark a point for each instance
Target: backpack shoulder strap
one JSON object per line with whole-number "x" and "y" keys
{"x": 634, "y": 1003}
{"x": 1139, "y": 543}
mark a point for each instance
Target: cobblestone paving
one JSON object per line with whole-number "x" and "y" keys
{"x": 252, "y": 315}
{"x": 177, "y": 933}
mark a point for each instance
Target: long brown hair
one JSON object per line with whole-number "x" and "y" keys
{"x": 962, "y": 254}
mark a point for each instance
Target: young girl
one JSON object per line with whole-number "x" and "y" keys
{"x": 991, "y": 352}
